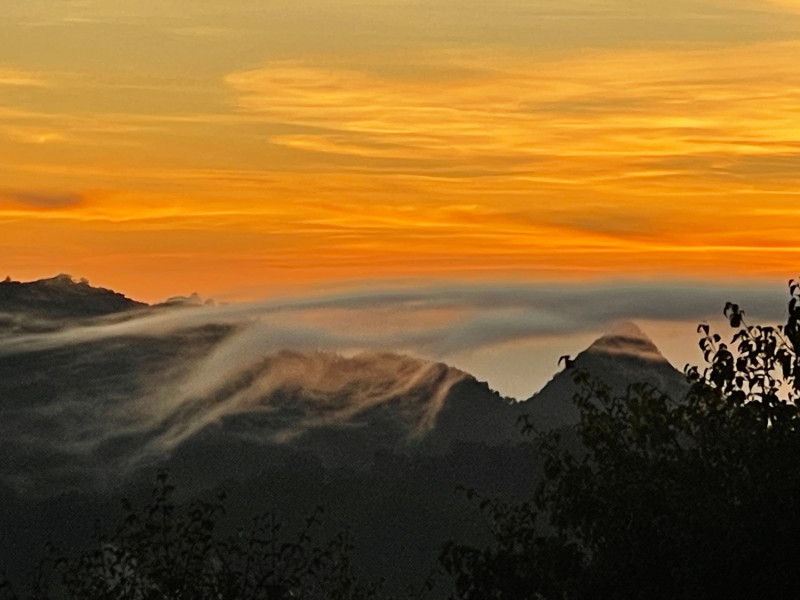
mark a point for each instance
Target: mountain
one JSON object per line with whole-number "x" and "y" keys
{"x": 343, "y": 411}
{"x": 60, "y": 297}
{"x": 93, "y": 407}
{"x": 623, "y": 356}
{"x": 380, "y": 440}
{"x": 88, "y": 413}
{"x": 91, "y": 413}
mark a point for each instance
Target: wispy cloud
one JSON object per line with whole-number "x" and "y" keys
{"x": 13, "y": 78}
{"x": 602, "y": 108}
{"x": 41, "y": 199}
{"x": 435, "y": 321}
{"x": 784, "y": 5}
{"x": 33, "y": 135}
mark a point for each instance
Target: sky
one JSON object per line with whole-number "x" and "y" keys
{"x": 262, "y": 149}
{"x": 258, "y": 147}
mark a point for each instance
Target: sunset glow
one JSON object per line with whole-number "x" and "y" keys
{"x": 269, "y": 146}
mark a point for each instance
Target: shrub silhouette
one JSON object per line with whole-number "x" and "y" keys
{"x": 165, "y": 552}
{"x": 654, "y": 497}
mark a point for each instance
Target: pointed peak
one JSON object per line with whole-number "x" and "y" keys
{"x": 627, "y": 329}
{"x": 626, "y": 338}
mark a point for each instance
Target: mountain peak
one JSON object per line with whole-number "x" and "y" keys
{"x": 62, "y": 280}
{"x": 60, "y": 297}
{"x": 625, "y": 338}
{"x": 619, "y": 358}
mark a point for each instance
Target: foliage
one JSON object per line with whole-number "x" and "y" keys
{"x": 520, "y": 562}
{"x": 694, "y": 498}
{"x": 169, "y": 552}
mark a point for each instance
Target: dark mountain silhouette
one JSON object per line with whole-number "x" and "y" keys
{"x": 93, "y": 413}
{"x": 622, "y": 357}
{"x": 474, "y": 413}
{"x": 382, "y": 440}
{"x": 61, "y": 297}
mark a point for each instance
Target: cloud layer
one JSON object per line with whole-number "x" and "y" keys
{"x": 435, "y": 322}
{"x": 108, "y": 395}
{"x": 611, "y": 110}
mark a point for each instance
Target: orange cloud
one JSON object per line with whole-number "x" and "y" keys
{"x": 37, "y": 199}
{"x": 33, "y": 135}
{"x": 492, "y": 164}
{"x": 601, "y": 106}
{"x": 11, "y": 77}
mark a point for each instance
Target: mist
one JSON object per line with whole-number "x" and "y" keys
{"x": 479, "y": 328}
{"x": 107, "y": 395}
{"x": 433, "y": 322}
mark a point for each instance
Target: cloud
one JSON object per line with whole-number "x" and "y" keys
{"x": 43, "y": 199}
{"x": 202, "y": 31}
{"x": 336, "y": 390}
{"x": 436, "y": 322}
{"x": 34, "y": 135}
{"x": 607, "y": 106}
{"x": 584, "y": 152}
{"x": 126, "y": 390}
{"x": 790, "y": 6}
{"x": 12, "y": 78}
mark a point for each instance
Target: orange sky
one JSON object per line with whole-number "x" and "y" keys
{"x": 261, "y": 147}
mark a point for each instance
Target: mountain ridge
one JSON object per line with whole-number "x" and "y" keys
{"x": 124, "y": 401}
{"x": 380, "y": 439}
{"x": 62, "y": 296}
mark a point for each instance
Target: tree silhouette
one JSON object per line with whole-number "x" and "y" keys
{"x": 168, "y": 552}
{"x": 695, "y": 497}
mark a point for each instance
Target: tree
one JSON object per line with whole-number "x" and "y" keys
{"x": 169, "y": 552}
{"x": 695, "y": 497}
